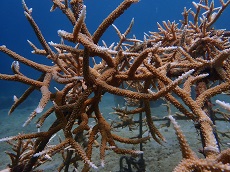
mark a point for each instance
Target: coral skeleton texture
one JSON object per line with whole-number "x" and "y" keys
{"x": 165, "y": 65}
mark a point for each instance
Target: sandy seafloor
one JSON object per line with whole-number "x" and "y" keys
{"x": 157, "y": 157}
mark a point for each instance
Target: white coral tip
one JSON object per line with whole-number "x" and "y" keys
{"x": 102, "y": 163}
{"x": 15, "y": 98}
{"x": 93, "y": 165}
{"x": 48, "y": 157}
{"x": 39, "y": 109}
{"x": 62, "y": 32}
{"x": 150, "y": 91}
{"x": 139, "y": 152}
{"x": 6, "y": 139}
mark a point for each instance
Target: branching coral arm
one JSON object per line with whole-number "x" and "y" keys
{"x": 37, "y": 66}
{"x": 111, "y": 18}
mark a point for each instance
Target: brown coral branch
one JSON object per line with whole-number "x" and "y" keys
{"x": 111, "y": 18}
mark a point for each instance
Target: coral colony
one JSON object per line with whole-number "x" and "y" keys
{"x": 166, "y": 64}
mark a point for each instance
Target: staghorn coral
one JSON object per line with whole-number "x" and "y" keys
{"x": 153, "y": 68}
{"x": 191, "y": 162}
